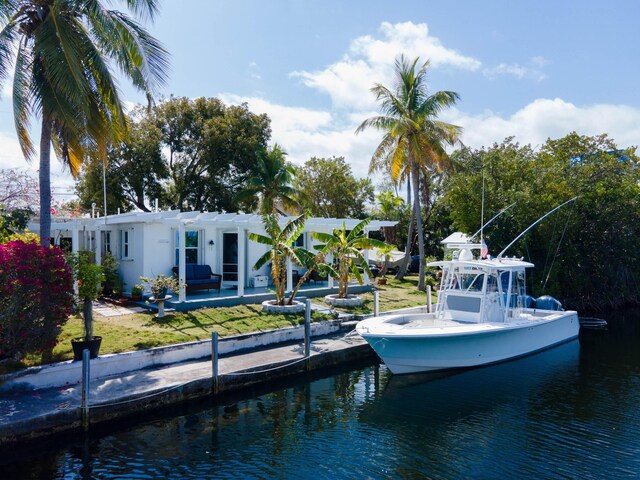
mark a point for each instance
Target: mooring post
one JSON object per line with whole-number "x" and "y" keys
{"x": 429, "y": 298}
{"x": 214, "y": 361}
{"x": 376, "y": 303}
{"x": 85, "y": 389}
{"x": 307, "y": 332}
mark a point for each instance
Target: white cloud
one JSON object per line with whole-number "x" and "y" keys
{"x": 368, "y": 60}
{"x": 533, "y": 71}
{"x": 304, "y": 133}
{"x": 11, "y": 157}
{"x": 550, "y": 118}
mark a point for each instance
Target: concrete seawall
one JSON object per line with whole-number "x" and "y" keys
{"x": 28, "y": 413}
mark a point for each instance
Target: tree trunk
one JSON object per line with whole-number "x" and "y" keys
{"x": 408, "y": 191}
{"x": 402, "y": 269}
{"x": 415, "y": 173}
{"x": 87, "y": 315}
{"x": 45, "y": 183}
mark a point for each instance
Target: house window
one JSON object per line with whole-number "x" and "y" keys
{"x": 106, "y": 242}
{"x": 300, "y": 241}
{"x": 191, "y": 247}
{"x": 125, "y": 244}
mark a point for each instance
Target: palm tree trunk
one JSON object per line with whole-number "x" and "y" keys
{"x": 408, "y": 191}
{"x": 415, "y": 173}
{"x": 402, "y": 269}
{"x": 45, "y": 183}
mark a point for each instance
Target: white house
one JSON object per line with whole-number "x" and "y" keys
{"x": 148, "y": 244}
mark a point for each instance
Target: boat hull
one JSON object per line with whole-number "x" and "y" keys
{"x": 413, "y": 353}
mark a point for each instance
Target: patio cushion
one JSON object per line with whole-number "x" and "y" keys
{"x": 201, "y": 281}
{"x": 188, "y": 272}
{"x": 201, "y": 272}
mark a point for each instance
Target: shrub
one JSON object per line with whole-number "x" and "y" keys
{"x": 36, "y": 297}
{"x": 112, "y": 286}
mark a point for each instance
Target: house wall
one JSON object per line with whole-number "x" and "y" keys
{"x": 158, "y": 244}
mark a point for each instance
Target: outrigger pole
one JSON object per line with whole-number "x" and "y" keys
{"x": 496, "y": 216}
{"x": 534, "y": 224}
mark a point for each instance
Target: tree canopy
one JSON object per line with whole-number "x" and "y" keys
{"x": 198, "y": 153}
{"x": 585, "y": 253}
{"x": 327, "y": 188}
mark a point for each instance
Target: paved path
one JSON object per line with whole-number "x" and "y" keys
{"x": 25, "y": 412}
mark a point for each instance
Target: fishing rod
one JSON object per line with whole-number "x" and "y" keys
{"x": 534, "y": 224}
{"x": 496, "y": 216}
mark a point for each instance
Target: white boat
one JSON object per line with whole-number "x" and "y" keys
{"x": 483, "y": 316}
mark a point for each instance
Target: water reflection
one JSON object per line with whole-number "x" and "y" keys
{"x": 569, "y": 412}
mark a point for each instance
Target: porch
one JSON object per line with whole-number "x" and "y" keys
{"x": 228, "y": 297}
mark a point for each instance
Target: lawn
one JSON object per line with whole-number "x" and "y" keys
{"x": 143, "y": 330}
{"x": 392, "y": 296}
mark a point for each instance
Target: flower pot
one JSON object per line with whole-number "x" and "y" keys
{"x": 80, "y": 344}
{"x": 382, "y": 281}
{"x": 161, "y": 293}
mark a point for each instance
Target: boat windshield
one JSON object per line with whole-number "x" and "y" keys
{"x": 463, "y": 281}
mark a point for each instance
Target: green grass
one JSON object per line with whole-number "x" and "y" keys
{"x": 394, "y": 295}
{"x": 140, "y": 331}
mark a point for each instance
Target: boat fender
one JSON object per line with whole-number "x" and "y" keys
{"x": 547, "y": 302}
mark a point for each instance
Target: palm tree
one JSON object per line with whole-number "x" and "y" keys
{"x": 345, "y": 248}
{"x": 414, "y": 139}
{"x": 62, "y": 51}
{"x": 271, "y": 181}
{"x": 280, "y": 241}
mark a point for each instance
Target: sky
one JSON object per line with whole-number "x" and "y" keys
{"x": 532, "y": 70}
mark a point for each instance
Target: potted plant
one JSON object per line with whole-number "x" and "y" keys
{"x": 159, "y": 285}
{"x": 384, "y": 253}
{"x": 89, "y": 277}
{"x": 345, "y": 248}
{"x": 136, "y": 292}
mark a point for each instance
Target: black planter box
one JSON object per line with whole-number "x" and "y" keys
{"x": 79, "y": 345}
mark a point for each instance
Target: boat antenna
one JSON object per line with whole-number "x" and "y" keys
{"x": 482, "y": 212}
{"x": 496, "y": 216}
{"x": 533, "y": 225}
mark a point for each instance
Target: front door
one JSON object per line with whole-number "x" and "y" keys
{"x": 230, "y": 257}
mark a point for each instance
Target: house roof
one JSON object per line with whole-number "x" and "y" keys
{"x": 175, "y": 217}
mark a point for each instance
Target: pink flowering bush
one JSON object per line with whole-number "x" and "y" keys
{"x": 36, "y": 297}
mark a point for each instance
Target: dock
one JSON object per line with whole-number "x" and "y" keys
{"x": 28, "y": 413}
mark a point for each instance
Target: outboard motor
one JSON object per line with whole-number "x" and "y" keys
{"x": 547, "y": 302}
{"x": 528, "y": 301}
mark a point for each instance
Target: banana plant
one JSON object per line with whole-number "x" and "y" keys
{"x": 345, "y": 248}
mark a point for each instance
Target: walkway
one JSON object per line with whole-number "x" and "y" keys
{"x": 27, "y": 414}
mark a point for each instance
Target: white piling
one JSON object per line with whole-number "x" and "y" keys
{"x": 85, "y": 389}
{"x": 214, "y": 361}
{"x": 307, "y": 332}
{"x": 376, "y": 303}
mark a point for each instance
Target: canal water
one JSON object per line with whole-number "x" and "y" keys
{"x": 569, "y": 412}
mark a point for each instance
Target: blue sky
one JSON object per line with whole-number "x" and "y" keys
{"x": 529, "y": 69}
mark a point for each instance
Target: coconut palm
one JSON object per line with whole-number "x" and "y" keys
{"x": 271, "y": 181}
{"x": 62, "y": 52}
{"x": 414, "y": 140}
{"x": 345, "y": 248}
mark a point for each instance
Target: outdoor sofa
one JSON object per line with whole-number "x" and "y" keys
{"x": 200, "y": 277}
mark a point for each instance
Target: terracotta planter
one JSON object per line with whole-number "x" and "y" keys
{"x": 382, "y": 281}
